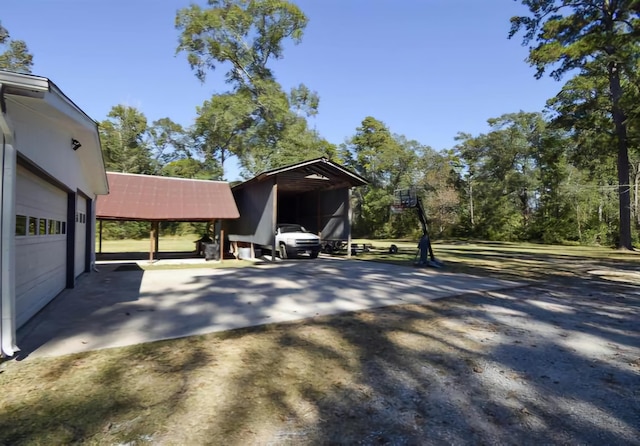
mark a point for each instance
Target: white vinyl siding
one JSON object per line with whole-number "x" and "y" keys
{"x": 40, "y": 254}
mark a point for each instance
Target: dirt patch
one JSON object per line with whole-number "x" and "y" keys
{"x": 556, "y": 361}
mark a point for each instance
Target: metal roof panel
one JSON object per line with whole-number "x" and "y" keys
{"x": 151, "y": 198}
{"x": 315, "y": 174}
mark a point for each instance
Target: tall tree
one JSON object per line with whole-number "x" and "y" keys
{"x": 167, "y": 142}
{"x": 256, "y": 120}
{"x": 372, "y": 151}
{"x": 506, "y": 168}
{"x": 464, "y": 169}
{"x": 123, "y": 138}
{"x": 583, "y": 108}
{"x": 435, "y": 180}
{"x": 188, "y": 167}
{"x": 222, "y": 125}
{"x": 576, "y": 34}
{"x": 16, "y": 55}
{"x": 246, "y": 34}
{"x": 295, "y": 142}
{"x": 282, "y": 136}
{"x": 304, "y": 101}
{"x": 386, "y": 161}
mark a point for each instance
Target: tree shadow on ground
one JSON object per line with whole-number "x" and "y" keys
{"x": 500, "y": 373}
{"x": 553, "y": 362}
{"x": 541, "y": 364}
{"x": 105, "y": 400}
{"x": 478, "y": 369}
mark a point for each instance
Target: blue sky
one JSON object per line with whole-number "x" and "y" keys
{"x": 427, "y": 68}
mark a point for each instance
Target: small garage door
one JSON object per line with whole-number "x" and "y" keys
{"x": 81, "y": 235}
{"x": 41, "y": 243}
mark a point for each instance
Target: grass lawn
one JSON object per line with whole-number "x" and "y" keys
{"x": 495, "y": 258}
{"x": 166, "y": 244}
{"x": 506, "y": 259}
{"x": 398, "y": 375}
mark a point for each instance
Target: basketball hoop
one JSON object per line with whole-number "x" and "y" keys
{"x": 405, "y": 198}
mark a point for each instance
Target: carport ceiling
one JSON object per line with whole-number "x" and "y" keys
{"x": 317, "y": 174}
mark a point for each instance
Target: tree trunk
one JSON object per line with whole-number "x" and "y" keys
{"x": 578, "y": 221}
{"x": 636, "y": 179}
{"x": 600, "y": 210}
{"x": 471, "y": 203}
{"x": 524, "y": 202}
{"x": 222, "y": 161}
{"x": 619, "y": 119}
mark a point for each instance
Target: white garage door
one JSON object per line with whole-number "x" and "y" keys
{"x": 41, "y": 243}
{"x": 81, "y": 234}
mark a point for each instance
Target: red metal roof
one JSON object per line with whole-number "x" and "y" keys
{"x": 149, "y": 198}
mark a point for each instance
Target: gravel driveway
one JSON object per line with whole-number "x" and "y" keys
{"x": 551, "y": 364}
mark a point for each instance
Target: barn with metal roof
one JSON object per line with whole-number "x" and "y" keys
{"x": 314, "y": 193}
{"x": 134, "y": 197}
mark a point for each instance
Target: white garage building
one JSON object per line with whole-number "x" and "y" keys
{"x": 52, "y": 170}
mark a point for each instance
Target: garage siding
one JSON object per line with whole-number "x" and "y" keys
{"x": 81, "y": 235}
{"x": 334, "y": 214}
{"x": 41, "y": 247}
{"x": 256, "y": 215}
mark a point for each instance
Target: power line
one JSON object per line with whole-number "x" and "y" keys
{"x": 591, "y": 186}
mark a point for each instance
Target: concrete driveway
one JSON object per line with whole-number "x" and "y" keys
{"x": 124, "y": 305}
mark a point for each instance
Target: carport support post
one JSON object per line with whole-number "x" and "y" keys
{"x": 221, "y": 244}
{"x": 318, "y": 216}
{"x": 153, "y": 238}
{"x": 100, "y": 239}
{"x": 349, "y": 218}
{"x": 218, "y": 234}
{"x": 157, "y": 241}
{"x": 274, "y": 219}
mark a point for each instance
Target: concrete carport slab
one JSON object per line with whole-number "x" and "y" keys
{"x": 119, "y": 306}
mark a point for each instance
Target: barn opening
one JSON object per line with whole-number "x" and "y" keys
{"x": 315, "y": 194}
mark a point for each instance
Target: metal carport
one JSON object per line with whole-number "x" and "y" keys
{"x": 134, "y": 197}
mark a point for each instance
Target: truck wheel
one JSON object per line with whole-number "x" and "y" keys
{"x": 314, "y": 254}
{"x": 283, "y": 252}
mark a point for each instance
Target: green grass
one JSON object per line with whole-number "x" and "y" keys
{"x": 165, "y": 244}
{"x": 506, "y": 259}
{"x": 231, "y": 263}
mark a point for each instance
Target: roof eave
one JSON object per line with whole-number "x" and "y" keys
{"x": 357, "y": 180}
{"x": 19, "y": 84}
{"x": 21, "y": 81}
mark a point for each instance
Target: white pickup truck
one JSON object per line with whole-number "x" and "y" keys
{"x": 293, "y": 240}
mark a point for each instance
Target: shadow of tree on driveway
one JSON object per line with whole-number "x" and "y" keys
{"x": 551, "y": 362}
